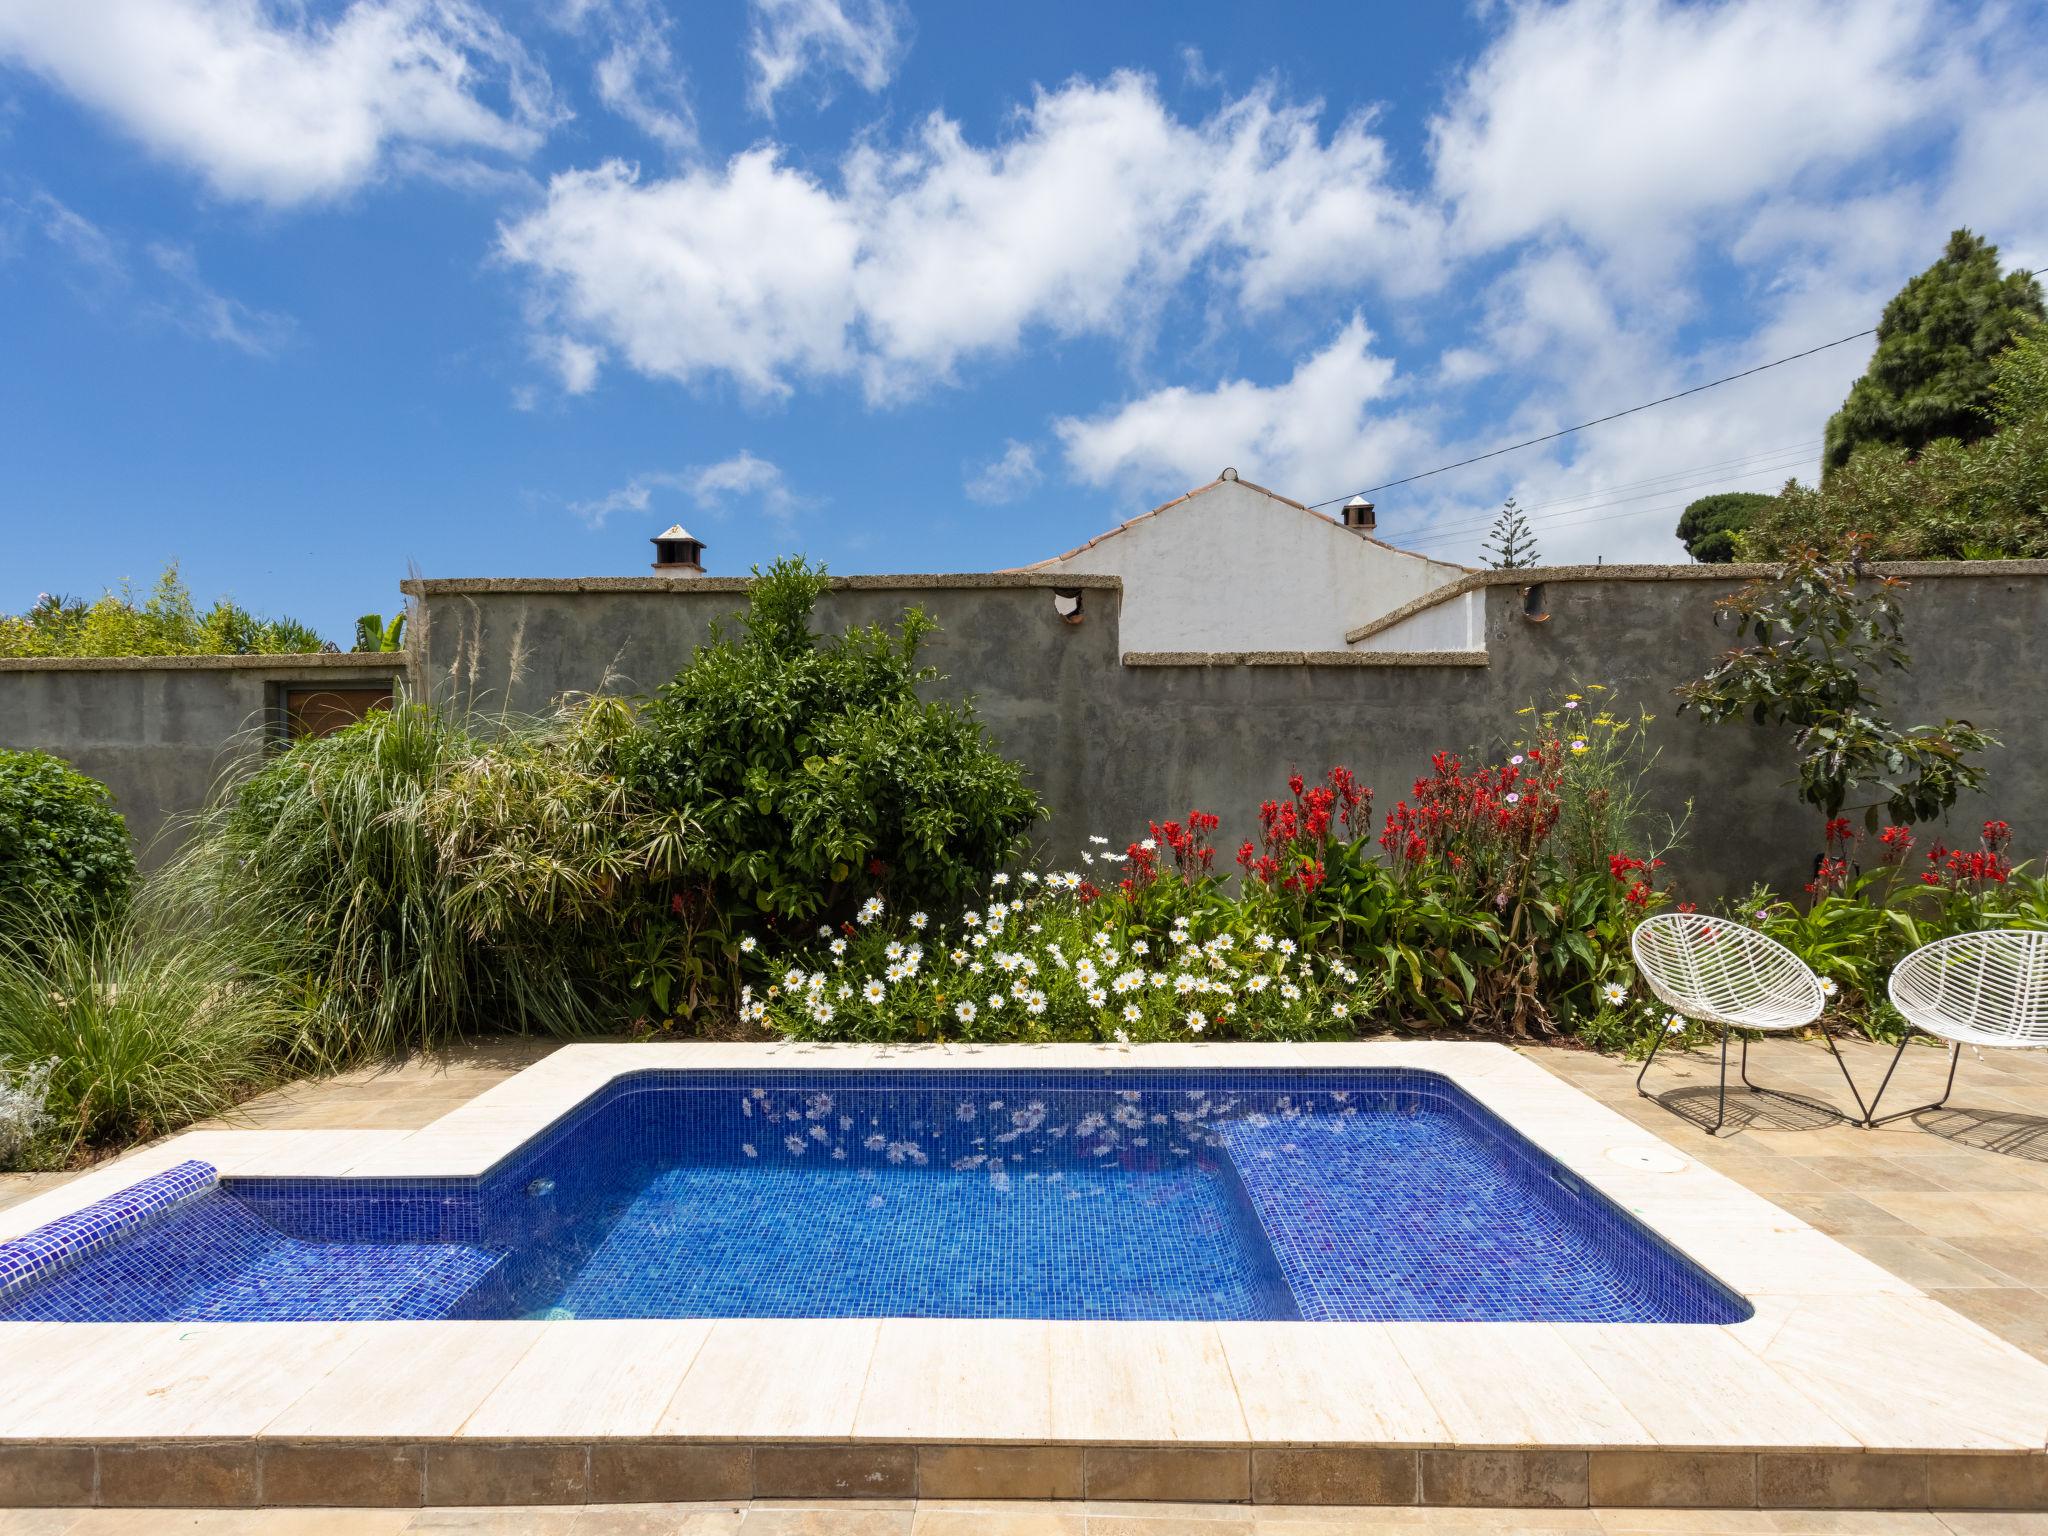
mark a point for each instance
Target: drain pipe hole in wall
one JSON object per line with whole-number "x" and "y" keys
{"x": 1067, "y": 605}
{"x": 1533, "y": 609}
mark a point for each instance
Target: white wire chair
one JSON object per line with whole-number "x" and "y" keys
{"x": 1987, "y": 988}
{"x": 1719, "y": 972}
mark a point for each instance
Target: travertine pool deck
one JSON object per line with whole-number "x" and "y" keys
{"x": 1851, "y": 1386}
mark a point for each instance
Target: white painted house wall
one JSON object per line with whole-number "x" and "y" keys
{"x": 1233, "y": 567}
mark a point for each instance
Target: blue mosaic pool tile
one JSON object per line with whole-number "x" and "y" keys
{"x": 41, "y": 1253}
{"x": 1098, "y": 1193}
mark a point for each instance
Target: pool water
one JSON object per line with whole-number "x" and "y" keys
{"x": 1215, "y": 1194}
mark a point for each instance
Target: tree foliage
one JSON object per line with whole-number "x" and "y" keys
{"x": 1820, "y": 634}
{"x": 1952, "y": 500}
{"x": 1930, "y": 376}
{"x": 1509, "y": 546}
{"x": 166, "y": 623}
{"x": 1709, "y": 526}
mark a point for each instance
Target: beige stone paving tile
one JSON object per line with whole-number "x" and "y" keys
{"x": 1905, "y": 1373}
{"x": 1513, "y": 1384}
{"x": 238, "y": 1522}
{"x": 958, "y": 1379}
{"x": 1989, "y": 1523}
{"x": 2016, "y": 1314}
{"x": 1171, "y": 1520}
{"x": 1794, "y": 1262}
{"x": 1015, "y": 1520}
{"x": 1142, "y": 1382}
{"x": 784, "y": 1378}
{"x": 659, "y": 1520}
{"x": 536, "y": 1520}
{"x": 1844, "y": 1211}
{"x": 609, "y": 1377}
{"x": 1699, "y": 1386}
{"x": 1326, "y": 1383}
{"x": 39, "y": 1522}
{"x": 422, "y": 1378}
{"x": 855, "y": 1520}
{"x": 162, "y": 1379}
{"x": 1858, "y": 1522}
{"x": 1686, "y": 1522}
{"x": 1925, "y": 1261}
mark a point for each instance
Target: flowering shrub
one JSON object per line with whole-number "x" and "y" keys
{"x": 1858, "y": 923}
{"x": 1495, "y": 895}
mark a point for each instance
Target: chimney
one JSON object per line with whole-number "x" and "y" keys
{"x": 677, "y": 552}
{"x": 1358, "y": 515}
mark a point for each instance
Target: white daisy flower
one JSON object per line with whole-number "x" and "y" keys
{"x": 1828, "y": 987}
{"x": 1132, "y": 1013}
{"x": 1614, "y": 994}
{"x": 873, "y": 991}
{"x": 964, "y": 1012}
{"x": 747, "y": 945}
{"x": 837, "y": 946}
{"x": 869, "y": 910}
{"x": 918, "y": 920}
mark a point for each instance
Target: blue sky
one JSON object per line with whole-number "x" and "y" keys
{"x": 302, "y": 295}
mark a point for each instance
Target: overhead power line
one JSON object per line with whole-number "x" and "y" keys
{"x": 1551, "y": 437}
{"x": 1751, "y": 467}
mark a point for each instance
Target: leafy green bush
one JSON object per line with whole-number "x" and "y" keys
{"x": 167, "y": 623}
{"x": 810, "y": 773}
{"x": 63, "y": 847}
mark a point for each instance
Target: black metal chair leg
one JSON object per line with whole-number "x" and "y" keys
{"x": 1721, "y": 1109}
{"x": 1655, "y": 1045}
{"x": 1862, "y": 1114}
{"x": 1871, "y": 1119}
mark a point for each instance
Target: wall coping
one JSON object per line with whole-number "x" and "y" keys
{"x": 1733, "y": 572}
{"x": 912, "y": 582}
{"x": 1306, "y": 659}
{"x": 374, "y": 663}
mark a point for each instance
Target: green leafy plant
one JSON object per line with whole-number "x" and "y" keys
{"x": 1820, "y": 634}
{"x": 374, "y": 634}
{"x": 810, "y": 773}
{"x": 166, "y": 623}
{"x": 64, "y": 850}
{"x": 1710, "y": 526}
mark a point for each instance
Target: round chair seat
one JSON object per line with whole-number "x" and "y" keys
{"x": 1721, "y": 972}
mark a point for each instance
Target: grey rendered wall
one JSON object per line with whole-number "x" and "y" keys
{"x": 159, "y": 730}
{"x": 1113, "y": 739}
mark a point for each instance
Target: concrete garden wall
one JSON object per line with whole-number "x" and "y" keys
{"x": 1112, "y": 737}
{"x": 158, "y": 730}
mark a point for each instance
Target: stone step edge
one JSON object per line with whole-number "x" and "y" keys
{"x": 419, "y": 1472}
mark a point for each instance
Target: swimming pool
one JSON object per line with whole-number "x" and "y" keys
{"x": 1228, "y": 1194}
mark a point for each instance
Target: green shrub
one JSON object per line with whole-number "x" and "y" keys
{"x": 811, "y": 773}
{"x": 166, "y": 623}
{"x": 64, "y": 849}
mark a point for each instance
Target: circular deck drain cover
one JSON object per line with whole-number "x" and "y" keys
{"x": 1647, "y": 1159}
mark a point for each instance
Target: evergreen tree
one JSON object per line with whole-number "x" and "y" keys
{"x": 1708, "y": 526}
{"x": 1930, "y": 376}
{"x": 1509, "y": 545}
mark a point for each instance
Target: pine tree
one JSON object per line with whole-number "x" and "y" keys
{"x": 1930, "y": 376}
{"x": 1708, "y": 526}
{"x": 1509, "y": 546}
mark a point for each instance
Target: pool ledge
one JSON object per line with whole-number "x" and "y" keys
{"x": 1847, "y": 1387}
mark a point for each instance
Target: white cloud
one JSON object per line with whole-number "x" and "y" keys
{"x": 272, "y": 106}
{"x": 199, "y": 309}
{"x": 790, "y": 39}
{"x": 636, "y": 74}
{"x": 1325, "y": 428}
{"x": 1011, "y": 474}
{"x": 1625, "y": 122}
{"x": 1085, "y": 220}
{"x": 165, "y": 288}
{"x": 740, "y": 481}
